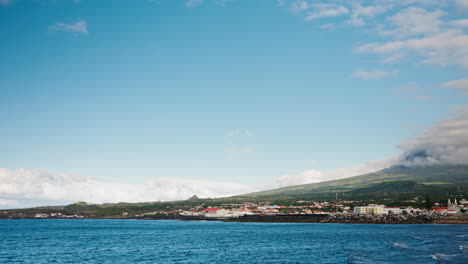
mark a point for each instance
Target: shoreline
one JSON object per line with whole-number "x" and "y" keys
{"x": 312, "y": 218}
{"x": 319, "y": 218}
{"x": 330, "y": 219}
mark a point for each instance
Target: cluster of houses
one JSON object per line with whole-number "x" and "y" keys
{"x": 375, "y": 209}
{"x": 57, "y": 215}
{"x": 237, "y": 210}
{"x": 452, "y": 208}
{"x": 311, "y": 207}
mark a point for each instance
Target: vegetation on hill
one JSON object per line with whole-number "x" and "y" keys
{"x": 439, "y": 176}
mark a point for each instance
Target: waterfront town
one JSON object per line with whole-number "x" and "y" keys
{"x": 260, "y": 210}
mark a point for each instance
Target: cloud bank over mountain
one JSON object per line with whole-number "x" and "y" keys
{"x": 445, "y": 143}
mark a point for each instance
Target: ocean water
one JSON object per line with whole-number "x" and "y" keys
{"x": 136, "y": 241}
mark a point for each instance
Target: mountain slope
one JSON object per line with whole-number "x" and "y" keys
{"x": 437, "y": 176}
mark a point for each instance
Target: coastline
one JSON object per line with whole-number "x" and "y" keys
{"x": 331, "y": 219}
{"x": 458, "y": 219}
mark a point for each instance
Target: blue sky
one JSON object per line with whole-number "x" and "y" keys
{"x": 232, "y": 91}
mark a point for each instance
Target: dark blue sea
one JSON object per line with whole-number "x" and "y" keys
{"x": 136, "y": 241}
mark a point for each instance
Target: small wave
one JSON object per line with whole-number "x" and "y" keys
{"x": 400, "y": 245}
{"x": 463, "y": 247}
{"x": 444, "y": 257}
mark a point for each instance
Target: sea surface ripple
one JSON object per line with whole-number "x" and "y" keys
{"x": 137, "y": 241}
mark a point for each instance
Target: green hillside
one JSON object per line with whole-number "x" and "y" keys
{"x": 436, "y": 179}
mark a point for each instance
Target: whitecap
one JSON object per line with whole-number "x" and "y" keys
{"x": 400, "y": 245}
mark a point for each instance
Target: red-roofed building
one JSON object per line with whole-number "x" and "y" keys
{"x": 211, "y": 209}
{"x": 440, "y": 209}
{"x": 215, "y": 212}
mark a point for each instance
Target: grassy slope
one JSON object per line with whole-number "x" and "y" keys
{"x": 431, "y": 176}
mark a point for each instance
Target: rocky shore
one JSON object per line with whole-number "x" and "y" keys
{"x": 332, "y": 218}
{"x": 382, "y": 219}
{"x": 308, "y": 218}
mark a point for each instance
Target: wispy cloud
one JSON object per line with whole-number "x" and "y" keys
{"x": 298, "y": 6}
{"x": 461, "y": 85}
{"x": 414, "y": 21}
{"x": 416, "y": 28}
{"x": 79, "y": 27}
{"x": 461, "y": 4}
{"x": 328, "y": 26}
{"x": 326, "y": 10}
{"x": 239, "y": 132}
{"x": 444, "y": 48}
{"x": 359, "y": 13}
{"x": 372, "y": 74}
{"x": 460, "y": 23}
{"x": 238, "y": 141}
{"x": 193, "y": 3}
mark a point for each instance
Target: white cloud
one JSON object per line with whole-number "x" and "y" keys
{"x": 461, "y": 85}
{"x": 33, "y": 184}
{"x": 373, "y": 74}
{"x": 193, "y": 3}
{"x": 460, "y": 23}
{"x": 79, "y": 27}
{"x": 328, "y": 26}
{"x": 462, "y": 4}
{"x": 424, "y": 28}
{"x": 414, "y": 21}
{"x": 326, "y": 10}
{"x": 299, "y": 6}
{"x": 444, "y": 48}
{"x": 359, "y": 11}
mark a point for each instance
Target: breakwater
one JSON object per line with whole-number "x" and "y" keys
{"x": 326, "y": 218}
{"x": 313, "y": 218}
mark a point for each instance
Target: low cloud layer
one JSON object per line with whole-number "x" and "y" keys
{"x": 18, "y": 187}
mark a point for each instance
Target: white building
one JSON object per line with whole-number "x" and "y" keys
{"x": 215, "y": 212}
{"x": 370, "y": 209}
{"x": 394, "y": 210}
{"x": 41, "y": 216}
{"x": 453, "y": 208}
